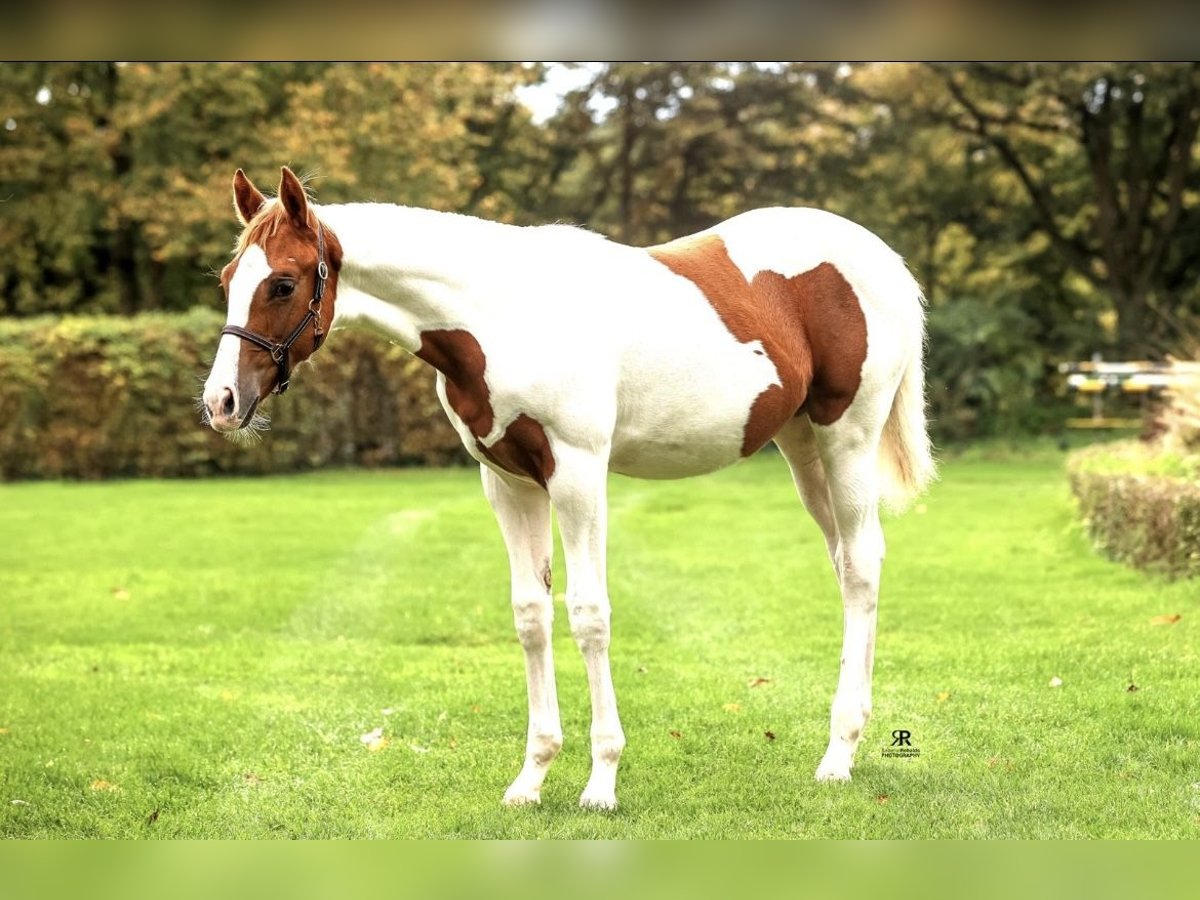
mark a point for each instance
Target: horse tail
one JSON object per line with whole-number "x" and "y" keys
{"x": 905, "y": 453}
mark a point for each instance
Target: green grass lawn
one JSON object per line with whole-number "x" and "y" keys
{"x": 201, "y": 659}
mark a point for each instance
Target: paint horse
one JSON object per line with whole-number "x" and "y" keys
{"x": 562, "y": 356}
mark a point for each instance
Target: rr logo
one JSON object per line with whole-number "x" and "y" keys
{"x": 901, "y": 738}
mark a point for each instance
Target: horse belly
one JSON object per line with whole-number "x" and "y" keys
{"x": 684, "y": 413}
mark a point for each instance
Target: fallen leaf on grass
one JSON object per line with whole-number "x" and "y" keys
{"x": 120, "y": 593}
{"x": 769, "y": 735}
{"x": 732, "y": 707}
{"x": 101, "y": 785}
{"x": 1056, "y": 681}
{"x": 943, "y": 696}
{"x": 374, "y": 740}
{"x": 1132, "y": 687}
{"x": 881, "y": 799}
{"x": 757, "y": 682}
{"x": 1167, "y": 619}
{"x": 152, "y": 818}
{"x": 251, "y": 778}
{"x": 675, "y": 734}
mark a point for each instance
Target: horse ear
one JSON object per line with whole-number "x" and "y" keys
{"x": 293, "y": 198}
{"x": 247, "y": 200}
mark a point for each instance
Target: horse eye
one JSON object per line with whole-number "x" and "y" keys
{"x": 283, "y": 289}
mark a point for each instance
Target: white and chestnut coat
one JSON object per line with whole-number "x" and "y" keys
{"x": 562, "y": 356}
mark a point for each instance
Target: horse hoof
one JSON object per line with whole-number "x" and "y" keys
{"x": 830, "y": 776}
{"x": 516, "y": 796}
{"x": 598, "y": 801}
{"x": 833, "y": 770}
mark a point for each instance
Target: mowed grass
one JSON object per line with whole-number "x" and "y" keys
{"x": 202, "y": 659}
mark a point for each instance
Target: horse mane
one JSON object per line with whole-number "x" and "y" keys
{"x": 265, "y": 224}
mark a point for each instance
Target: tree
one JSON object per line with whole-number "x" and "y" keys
{"x": 1106, "y": 157}
{"x": 648, "y": 151}
{"x": 58, "y": 166}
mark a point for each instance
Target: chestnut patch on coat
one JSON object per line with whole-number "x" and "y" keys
{"x": 811, "y": 327}
{"x": 523, "y": 449}
{"x": 457, "y": 355}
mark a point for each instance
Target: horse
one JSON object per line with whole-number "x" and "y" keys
{"x": 562, "y": 356}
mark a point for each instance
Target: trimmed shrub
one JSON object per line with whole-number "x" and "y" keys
{"x": 1140, "y": 505}
{"x": 94, "y": 397}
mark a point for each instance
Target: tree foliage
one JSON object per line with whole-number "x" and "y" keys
{"x": 1048, "y": 210}
{"x": 1105, "y": 162}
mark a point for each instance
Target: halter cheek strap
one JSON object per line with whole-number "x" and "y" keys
{"x": 281, "y": 351}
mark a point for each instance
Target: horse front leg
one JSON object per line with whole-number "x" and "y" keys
{"x": 578, "y": 490}
{"x": 523, "y": 512}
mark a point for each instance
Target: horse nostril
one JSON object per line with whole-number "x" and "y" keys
{"x": 227, "y": 404}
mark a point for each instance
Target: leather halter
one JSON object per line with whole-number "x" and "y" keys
{"x": 281, "y": 351}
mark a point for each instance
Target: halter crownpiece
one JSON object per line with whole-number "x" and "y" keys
{"x": 281, "y": 351}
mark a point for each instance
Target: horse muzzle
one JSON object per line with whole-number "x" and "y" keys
{"x": 223, "y": 414}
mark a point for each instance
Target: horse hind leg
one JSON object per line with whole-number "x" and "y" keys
{"x": 798, "y": 445}
{"x": 849, "y": 452}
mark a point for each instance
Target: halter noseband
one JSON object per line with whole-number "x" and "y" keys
{"x": 281, "y": 352}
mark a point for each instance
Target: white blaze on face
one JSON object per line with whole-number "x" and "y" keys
{"x": 251, "y": 270}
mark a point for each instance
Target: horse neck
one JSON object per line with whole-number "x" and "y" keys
{"x": 406, "y": 271}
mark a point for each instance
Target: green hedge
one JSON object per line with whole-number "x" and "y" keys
{"x": 1140, "y": 506}
{"x": 93, "y": 397}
